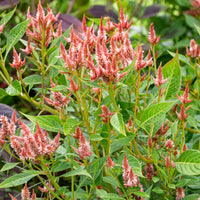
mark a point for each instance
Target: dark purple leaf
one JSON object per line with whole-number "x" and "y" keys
{"x": 5, "y": 4}
{"x": 68, "y": 20}
{"x": 102, "y": 11}
{"x": 151, "y": 11}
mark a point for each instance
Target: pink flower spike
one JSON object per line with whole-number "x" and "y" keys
{"x": 180, "y": 193}
{"x": 29, "y": 49}
{"x": 73, "y": 85}
{"x": 110, "y": 163}
{"x": 25, "y": 193}
{"x": 169, "y": 144}
{"x": 152, "y": 36}
{"x": 159, "y": 80}
{"x": 132, "y": 181}
{"x": 17, "y": 62}
{"x": 106, "y": 114}
{"x": 182, "y": 115}
{"x": 125, "y": 163}
{"x": 185, "y": 98}
{"x": 1, "y": 28}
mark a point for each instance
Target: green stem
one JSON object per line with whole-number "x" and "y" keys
{"x": 182, "y": 138}
{"x": 112, "y": 96}
{"x": 136, "y": 99}
{"x": 2, "y": 65}
{"x": 154, "y": 59}
{"x": 109, "y": 133}
{"x": 147, "y": 88}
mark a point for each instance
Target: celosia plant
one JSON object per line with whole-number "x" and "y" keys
{"x": 122, "y": 124}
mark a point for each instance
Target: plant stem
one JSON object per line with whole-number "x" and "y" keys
{"x": 154, "y": 59}
{"x": 112, "y": 96}
{"x": 182, "y": 137}
{"x": 147, "y": 88}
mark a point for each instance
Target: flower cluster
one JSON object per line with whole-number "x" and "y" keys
{"x": 83, "y": 151}
{"x": 152, "y": 38}
{"x": 194, "y": 50}
{"x": 111, "y": 45}
{"x": 130, "y": 179}
{"x": 184, "y": 99}
{"x": 28, "y": 146}
{"x": 106, "y": 114}
{"x": 41, "y": 28}
{"x": 59, "y": 101}
{"x": 25, "y": 194}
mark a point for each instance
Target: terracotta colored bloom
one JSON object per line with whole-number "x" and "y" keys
{"x": 106, "y": 114}
{"x": 29, "y": 48}
{"x": 149, "y": 171}
{"x": 169, "y": 144}
{"x": 180, "y": 193}
{"x": 185, "y": 98}
{"x": 17, "y": 62}
{"x": 140, "y": 63}
{"x": 110, "y": 163}
{"x": 194, "y": 50}
{"x": 84, "y": 147}
{"x": 152, "y": 38}
{"x": 44, "y": 189}
{"x": 195, "y": 3}
{"x": 159, "y": 80}
{"x": 59, "y": 101}
{"x": 1, "y": 28}
{"x": 130, "y": 179}
{"x": 25, "y": 193}
{"x": 182, "y": 115}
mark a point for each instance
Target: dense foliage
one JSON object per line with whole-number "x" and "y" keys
{"x": 107, "y": 120}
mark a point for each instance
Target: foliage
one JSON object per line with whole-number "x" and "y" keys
{"x": 120, "y": 126}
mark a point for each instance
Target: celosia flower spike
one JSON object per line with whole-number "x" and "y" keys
{"x": 152, "y": 36}
{"x": 159, "y": 80}
{"x": 25, "y": 193}
{"x": 194, "y": 50}
{"x": 17, "y": 62}
{"x": 185, "y": 98}
{"x": 106, "y": 114}
{"x": 84, "y": 147}
{"x": 180, "y": 193}
{"x": 1, "y": 28}
{"x": 182, "y": 115}
{"x": 149, "y": 171}
{"x": 110, "y": 163}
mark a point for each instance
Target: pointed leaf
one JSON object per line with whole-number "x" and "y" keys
{"x": 32, "y": 80}
{"x": 70, "y": 124}
{"x": 2, "y": 93}
{"x": 112, "y": 196}
{"x": 7, "y": 17}
{"x": 77, "y": 172}
{"x": 17, "y": 179}
{"x": 118, "y": 123}
{"x": 14, "y": 89}
{"x": 155, "y": 112}
{"x": 189, "y": 162}
{"x": 172, "y": 71}
{"x": 8, "y": 166}
{"x": 49, "y": 122}
{"x": 15, "y": 35}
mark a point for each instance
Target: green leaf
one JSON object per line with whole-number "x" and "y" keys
{"x": 77, "y": 172}
{"x": 141, "y": 194}
{"x": 95, "y": 137}
{"x": 15, "y": 35}
{"x": 184, "y": 3}
{"x": 124, "y": 140}
{"x": 118, "y": 123}
{"x": 191, "y": 21}
{"x": 8, "y": 166}
{"x": 58, "y": 88}
{"x": 17, "y": 179}
{"x": 191, "y": 197}
{"x": 49, "y": 122}
{"x": 181, "y": 57}
{"x": 14, "y": 89}
{"x": 158, "y": 190}
{"x": 70, "y": 123}
{"x": 32, "y": 80}
{"x": 198, "y": 29}
{"x": 2, "y": 93}
{"x": 111, "y": 180}
{"x": 172, "y": 71}
{"x": 189, "y": 162}
{"x": 112, "y": 196}
{"x": 7, "y": 17}
{"x": 155, "y": 112}
{"x": 192, "y": 122}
